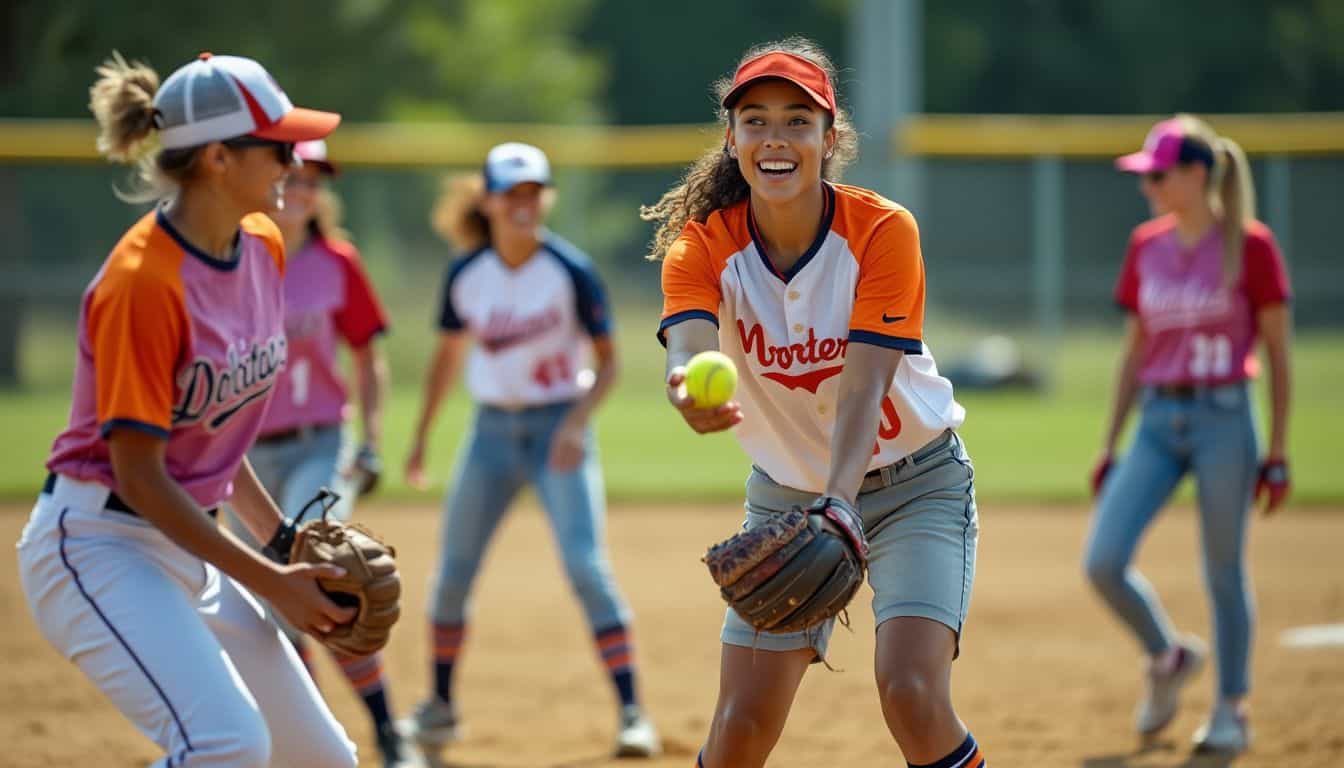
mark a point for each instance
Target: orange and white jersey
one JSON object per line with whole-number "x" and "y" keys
{"x": 862, "y": 281}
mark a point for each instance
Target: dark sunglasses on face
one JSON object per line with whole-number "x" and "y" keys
{"x": 284, "y": 151}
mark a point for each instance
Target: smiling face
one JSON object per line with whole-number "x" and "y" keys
{"x": 301, "y": 190}
{"x": 254, "y": 177}
{"x": 517, "y": 212}
{"x": 781, "y": 137}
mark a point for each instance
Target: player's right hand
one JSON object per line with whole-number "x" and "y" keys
{"x": 1100, "y": 471}
{"x": 702, "y": 420}
{"x": 295, "y": 594}
{"x": 415, "y": 467}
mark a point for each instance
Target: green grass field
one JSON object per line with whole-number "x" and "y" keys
{"x": 1028, "y": 447}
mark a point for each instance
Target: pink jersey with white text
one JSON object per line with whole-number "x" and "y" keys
{"x": 328, "y": 298}
{"x": 179, "y": 345}
{"x": 1197, "y": 330}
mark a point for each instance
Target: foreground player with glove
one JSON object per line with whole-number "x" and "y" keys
{"x": 815, "y": 293}
{"x": 371, "y": 583}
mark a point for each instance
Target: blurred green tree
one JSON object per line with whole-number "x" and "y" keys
{"x": 1146, "y": 56}
{"x": 501, "y": 60}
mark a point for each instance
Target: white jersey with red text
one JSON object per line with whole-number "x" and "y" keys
{"x": 862, "y": 281}
{"x": 533, "y": 324}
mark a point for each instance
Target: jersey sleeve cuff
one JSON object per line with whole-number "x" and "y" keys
{"x": 141, "y": 426}
{"x": 681, "y": 317}
{"x": 364, "y": 339}
{"x": 908, "y": 346}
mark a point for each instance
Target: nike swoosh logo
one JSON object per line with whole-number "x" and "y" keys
{"x": 889, "y": 319}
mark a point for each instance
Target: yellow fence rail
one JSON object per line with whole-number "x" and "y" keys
{"x": 1106, "y": 135}
{"x": 634, "y": 147}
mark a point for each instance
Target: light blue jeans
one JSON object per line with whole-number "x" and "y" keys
{"x": 505, "y": 451}
{"x": 1211, "y": 435}
{"x": 292, "y": 472}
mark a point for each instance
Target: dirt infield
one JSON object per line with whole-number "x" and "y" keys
{"x": 1045, "y": 679}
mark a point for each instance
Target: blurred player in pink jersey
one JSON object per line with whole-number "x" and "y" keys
{"x": 181, "y": 338}
{"x": 1202, "y": 282}
{"x": 328, "y": 301}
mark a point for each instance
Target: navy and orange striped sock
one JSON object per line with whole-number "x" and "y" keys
{"x": 616, "y": 647}
{"x": 366, "y": 676}
{"x": 968, "y": 755}
{"x": 446, "y": 640}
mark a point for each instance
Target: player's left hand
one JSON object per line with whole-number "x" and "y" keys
{"x": 567, "y": 446}
{"x": 1273, "y": 483}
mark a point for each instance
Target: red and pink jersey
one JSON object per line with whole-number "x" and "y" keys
{"x": 328, "y": 298}
{"x": 182, "y": 346}
{"x": 1197, "y": 329}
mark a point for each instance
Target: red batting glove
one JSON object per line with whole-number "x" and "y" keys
{"x": 1099, "y": 473}
{"x": 1273, "y": 483}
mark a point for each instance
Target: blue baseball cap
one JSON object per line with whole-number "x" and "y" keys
{"x": 511, "y": 164}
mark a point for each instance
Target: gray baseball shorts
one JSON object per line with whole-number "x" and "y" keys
{"x": 922, "y": 530}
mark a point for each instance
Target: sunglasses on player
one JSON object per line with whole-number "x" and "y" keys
{"x": 284, "y": 151}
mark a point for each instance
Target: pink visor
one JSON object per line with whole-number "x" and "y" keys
{"x": 1166, "y": 145}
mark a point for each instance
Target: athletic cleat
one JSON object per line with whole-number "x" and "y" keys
{"x": 1166, "y": 678}
{"x": 637, "y": 736}
{"x": 395, "y": 749}
{"x": 433, "y": 725}
{"x": 1226, "y": 730}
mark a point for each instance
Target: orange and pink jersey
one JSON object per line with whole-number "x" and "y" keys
{"x": 327, "y": 298}
{"x": 1196, "y": 328}
{"x": 861, "y": 281}
{"x": 181, "y": 346}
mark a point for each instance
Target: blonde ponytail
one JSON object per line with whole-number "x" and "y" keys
{"x": 1236, "y": 198}
{"x": 122, "y": 101}
{"x": 457, "y": 213}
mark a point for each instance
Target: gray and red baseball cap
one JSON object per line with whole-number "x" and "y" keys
{"x": 1167, "y": 145}
{"x": 216, "y": 98}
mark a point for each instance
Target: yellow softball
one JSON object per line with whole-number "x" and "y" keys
{"x": 711, "y": 379}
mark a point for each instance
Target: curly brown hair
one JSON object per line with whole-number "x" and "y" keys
{"x": 714, "y": 181}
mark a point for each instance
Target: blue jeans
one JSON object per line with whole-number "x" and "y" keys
{"x": 1213, "y": 436}
{"x": 505, "y": 451}
{"x": 293, "y": 471}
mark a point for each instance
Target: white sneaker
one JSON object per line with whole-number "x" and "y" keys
{"x": 1226, "y": 730}
{"x": 396, "y": 750}
{"x": 1166, "y": 677}
{"x": 433, "y": 725}
{"x": 637, "y": 736}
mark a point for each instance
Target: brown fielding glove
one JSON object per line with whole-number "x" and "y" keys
{"x": 371, "y": 582}
{"x": 795, "y": 571}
